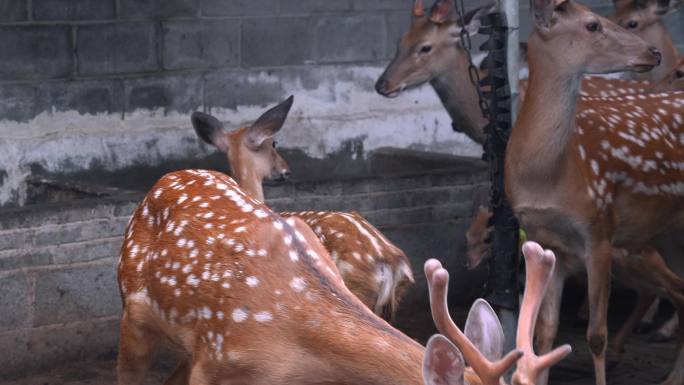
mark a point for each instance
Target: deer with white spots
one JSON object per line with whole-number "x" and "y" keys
{"x": 373, "y": 268}
{"x": 249, "y": 297}
{"x": 615, "y": 181}
{"x": 645, "y": 19}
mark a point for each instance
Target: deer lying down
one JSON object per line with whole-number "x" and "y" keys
{"x": 373, "y": 268}
{"x": 249, "y": 297}
{"x": 674, "y": 81}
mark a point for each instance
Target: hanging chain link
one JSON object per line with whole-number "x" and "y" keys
{"x": 472, "y": 70}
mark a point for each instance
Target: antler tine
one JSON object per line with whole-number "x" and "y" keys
{"x": 418, "y": 8}
{"x": 539, "y": 265}
{"x": 488, "y": 372}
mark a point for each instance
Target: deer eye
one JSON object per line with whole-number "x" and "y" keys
{"x": 679, "y": 74}
{"x": 593, "y": 26}
{"x": 275, "y": 144}
{"x": 632, "y": 24}
{"x": 426, "y": 49}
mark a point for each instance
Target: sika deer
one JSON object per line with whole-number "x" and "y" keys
{"x": 584, "y": 191}
{"x": 251, "y": 298}
{"x": 373, "y": 268}
{"x": 674, "y": 81}
{"x": 478, "y": 353}
{"x": 645, "y": 19}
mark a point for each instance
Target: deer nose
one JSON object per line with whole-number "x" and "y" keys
{"x": 285, "y": 174}
{"x": 381, "y": 86}
{"x": 654, "y": 51}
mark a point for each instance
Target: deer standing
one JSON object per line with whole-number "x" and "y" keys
{"x": 645, "y": 19}
{"x": 615, "y": 181}
{"x": 373, "y": 268}
{"x": 250, "y": 297}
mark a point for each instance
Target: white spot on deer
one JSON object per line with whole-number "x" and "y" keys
{"x": 172, "y": 281}
{"x": 297, "y": 284}
{"x": 219, "y": 316}
{"x": 313, "y": 254}
{"x": 252, "y": 281}
{"x": 192, "y": 280}
{"x": 288, "y": 240}
{"x": 263, "y": 316}
{"x": 239, "y": 315}
{"x": 595, "y": 167}
{"x": 357, "y": 256}
{"x": 181, "y": 242}
{"x": 182, "y": 198}
{"x": 262, "y": 253}
{"x": 205, "y": 275}
{"x": 278, "y": 292}
{"x": 175, "y": 266}
{"x": 225, "y": 285}
{"x": 294, "y": 256}
{"x": 278, "y": 225}
{"x": 177, "y": 292}
{"x": 158, "y": 193}
{"x": 240, "y": 229}
{"x": 205, "y": 313}
{"x": 187, "y": 269}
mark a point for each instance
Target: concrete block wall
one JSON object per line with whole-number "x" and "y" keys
{"x": 60, "y": 299}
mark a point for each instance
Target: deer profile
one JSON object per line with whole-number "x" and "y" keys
{"x": 374, "y": 268}
{"x": 571, "y": 187}
{"x": 645, "y": 19}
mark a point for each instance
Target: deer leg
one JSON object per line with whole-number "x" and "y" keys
{"x": 181, "y": 375}
{"x": 598, "y": 274}
{"x": 645, "y": 300}
{"x": 136, "y": 348}
{"x": 198, "y": 374}
{"x": 549, "y": 318}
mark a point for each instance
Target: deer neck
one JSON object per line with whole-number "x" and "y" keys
{"x": 459, "y": 97}
{"x": 542, "y": 135}
{"x": 245, "y": 176}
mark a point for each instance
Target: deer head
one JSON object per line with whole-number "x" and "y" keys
{"x": 638, "y": 15}
{"x": 674, "y": 81}
{"x": 251, "y": 149}
{"x": 428, "y": 48}
{"x": 598, "y": 45}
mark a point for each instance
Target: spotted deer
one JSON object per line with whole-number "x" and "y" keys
{"x": 484, "y": 358}
{"x": 373, "y": 268}
{"x": 674, "y": 81}
{"x": 645, "y": 19}
{"x": 615, "y": 181}
{"x": 249, "y": 297}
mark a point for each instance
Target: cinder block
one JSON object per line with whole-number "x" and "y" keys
{"x": 14, "y": 302}
{"x": 135, "y": 9}
{"x": 86, "y": 97}
{"x": 117, "y": 48}
{"x": 79, "y": 231}
{"x": 180, "y": 93}
{"x": 73, "y": 9}
{"x": 382, "y": 4}
{"x": 35, "y": 52}
{"x": 72, "y": 294}
{"x": 87, "y": 251}
{"x": 239, "y": 7}
{"x": 44, "y": 348}
{"x": 17, "y": 102}
{"x": 398, "y": 24}
{"x": 23, "y": 258}
{"x": 229, "y": 89}
{"x": 193, "y": 44}
{"x": 13, "y": 10}
{"x": 270, "y": 42}
{"x": 305, "y": 7}
{"x": 343, "y": 38}
{"x": 12, "y": 239}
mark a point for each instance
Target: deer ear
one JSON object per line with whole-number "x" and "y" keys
{"x": 484, "y": 330}
{"x": 418, "y": 9}
{"x": 443, "y": 363}
{"x": 441, "y": 11}
{"x": 543, "y": 13}
{"x": 210, "y": 130}
{"x": 473, "y": 18}
{"x": 665, "y": 7}
{"x": 268, "y": 124}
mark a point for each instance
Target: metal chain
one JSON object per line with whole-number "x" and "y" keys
{"x": 472, "y": 70}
